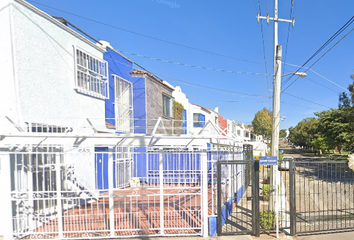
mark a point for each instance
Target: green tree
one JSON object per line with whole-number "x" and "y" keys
{"x": 322, "y": 143}
{"x": 305, "y": 132}
{"x": 262, "y": 123}
{"x": 337, "y": 126}
{"x": 282, "y": 133}
{"x": 346, "y": 100}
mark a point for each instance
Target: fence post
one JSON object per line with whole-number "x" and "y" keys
{"x": 110, "y": 191}
{"x": 162, "y": 232}
{"x": 219, "y": 203}
{"x": 292, "y": 198}
{"x": 6, "y": 220}
{"x": 255, "y": 199}
{"x": 59, "y": 198}
{"x": 205, "y": 222}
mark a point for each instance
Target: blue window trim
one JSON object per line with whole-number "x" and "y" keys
{"x": 200, "y": 122}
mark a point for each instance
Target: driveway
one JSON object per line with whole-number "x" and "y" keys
{"x": 324, "y": 192}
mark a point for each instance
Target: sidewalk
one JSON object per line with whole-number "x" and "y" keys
{"x": 341, "y": 236}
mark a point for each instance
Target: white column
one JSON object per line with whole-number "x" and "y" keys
{"x": 161, "y": 194}
{"x": 6, "y": 227}
{"x": 110, "y": 191}
{"x": 59, "y": 199}
{"x": 204, "y": 198}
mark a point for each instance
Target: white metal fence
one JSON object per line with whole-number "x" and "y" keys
{"x": 110, "y": 191}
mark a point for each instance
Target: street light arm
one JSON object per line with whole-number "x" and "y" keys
{"x": 300, "y": 74}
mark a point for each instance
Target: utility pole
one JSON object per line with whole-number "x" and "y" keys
{"x": 276, "y": 96}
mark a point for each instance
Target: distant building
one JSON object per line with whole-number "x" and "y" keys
{"x": 223, "y": 123}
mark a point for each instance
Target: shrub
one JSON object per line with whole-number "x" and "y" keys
{"x": 266, "y": 190}
{"x": 267, "y": 219}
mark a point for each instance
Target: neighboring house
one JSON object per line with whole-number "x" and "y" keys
{"x": 200, "y": 116}
{"x": 124, "y": 92}
{"x": 239, "y": 130}
{"x": 181, "y": 98}
{"x": 214, "y": 118}
{"x": 223, "y": 123}
{"x": 230, "y": 129}
{"x": 157, "y": 112}
{"x": 246, "y": 133}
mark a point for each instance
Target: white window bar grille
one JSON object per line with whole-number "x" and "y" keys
{"x": 47, "y": 128}
{"x": 123, "y": 102}
{"x": 91, "y": 74}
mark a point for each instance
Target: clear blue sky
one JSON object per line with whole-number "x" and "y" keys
{"x": 230, "y": 28}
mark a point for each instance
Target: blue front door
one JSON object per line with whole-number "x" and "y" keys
{"x": 101, "y": 168}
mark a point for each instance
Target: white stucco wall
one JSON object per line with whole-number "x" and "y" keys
{"x": 259, "y": 148}
{"x": 82, "y": 159}
{"x": 37, "y": 84}
{"x": 198, "y": 109}
{"x": 38, "y": 70}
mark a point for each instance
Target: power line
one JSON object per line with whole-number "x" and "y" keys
{"x": 216, "y": 89}
{"x": 300, "y": 105}
{"x": 190, "y": 65}
{"x": 321, "y": 56}
{"x": 287, "y": 39}
{"x": 211, "y": 88}
{"x": 322, "y": 85}
{"x": 345, "y": 26}
{"x": 294, "y": 65}
{"x": 264, "y": 52}
{"x": 306, "y": 100}
{"x": 147, "y": 36}
{"x": 191, "y": 84}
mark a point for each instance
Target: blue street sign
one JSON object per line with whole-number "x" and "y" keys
{"x": 270, "y": 160}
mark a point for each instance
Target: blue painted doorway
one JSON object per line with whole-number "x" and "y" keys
{"x": 101, "y": 168}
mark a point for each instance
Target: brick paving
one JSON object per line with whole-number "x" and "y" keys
{"x": 136, "y": 212}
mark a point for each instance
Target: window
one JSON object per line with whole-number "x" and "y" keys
{"x": 91, "y": 75}
{"x": 123, "y": 104}
{"x": 167, "y": 106}
{"x": 47, "y": 128}
{"x": 239, "y": 132}
{"x": 198, "y": 120}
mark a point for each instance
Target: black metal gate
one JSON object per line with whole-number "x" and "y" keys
{"x": 237, "y": 187}
{"x": 313, "y": 196}
{"x": 324, "y": 196}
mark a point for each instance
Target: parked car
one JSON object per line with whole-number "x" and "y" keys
{"x": 285, "y": 164}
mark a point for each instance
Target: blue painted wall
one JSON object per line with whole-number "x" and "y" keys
{"x": 139, "y": 94}
{"x": 179, "y": 168}
{"x": 122, "y": 67}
